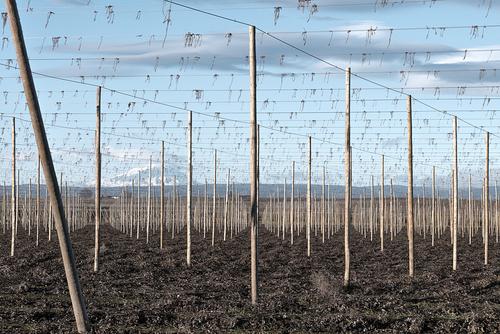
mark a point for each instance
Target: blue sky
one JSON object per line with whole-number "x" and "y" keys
{"x": 201, "y": 65}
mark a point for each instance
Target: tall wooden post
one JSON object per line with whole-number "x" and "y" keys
{"x": 308, "y": 227}
{"x": 214, "y": 207}
{"x": 347, "y": 175}
{"x": 409, "y": 211}
{"x": 487, "y": 198}
{"x": 162, "y": 193}
{"x": 382, "y": 205}
{"x": 97, "y": 178}
{"x": 48, "y": 167}
{"x": 254, "y": 219}
{"x": 13, "y": 193}
{"x": 189, "y": 211}
{"x": 455, "y": 193}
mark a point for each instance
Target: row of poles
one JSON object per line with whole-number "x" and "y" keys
{"x": 61, "y": 224}
{"x": 433, "y": 214}
{"x": 287, "y": 215}
{"x": 227, "y": 217}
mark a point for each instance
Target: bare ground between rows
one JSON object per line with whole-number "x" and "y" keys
{"x": 142, "y": 289}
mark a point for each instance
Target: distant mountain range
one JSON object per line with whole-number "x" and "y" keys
{"x": 266, "y": 190}
{"x": 113, "y": 186}
{"x": 134, "y": 173}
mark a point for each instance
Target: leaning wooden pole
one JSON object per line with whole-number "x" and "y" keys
{"x": 347, "y": 176}
{"x": 409, "y": 210}
{"x": 189, "y": 209}
{"x": 254, "y": 219}
{"x": 48, "y": 169}
{"x": 97, "y": 178}
{"x": 455, "y": 193}
{"x": 487, "y": 198}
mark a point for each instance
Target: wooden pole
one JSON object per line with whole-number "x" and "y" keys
{"x": 254, "y": 219}
{"x": 410, "y": 190}
{"x": 455, "y": 193}
{"x": 97, "y": 178}
{"x": 189, "y": 211}
{"x": 347, "y": 193}
{"x": 48, "y": 167}
{"x": 487, "y": 198}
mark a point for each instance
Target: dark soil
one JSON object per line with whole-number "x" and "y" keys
{"x": 142, "y": 289}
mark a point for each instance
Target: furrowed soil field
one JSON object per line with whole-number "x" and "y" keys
{"x": 142, "y": 289}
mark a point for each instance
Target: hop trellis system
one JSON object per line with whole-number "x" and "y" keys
{"x": 204, "y": 131}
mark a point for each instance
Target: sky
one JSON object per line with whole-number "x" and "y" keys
{"x": 157, "y": 60}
